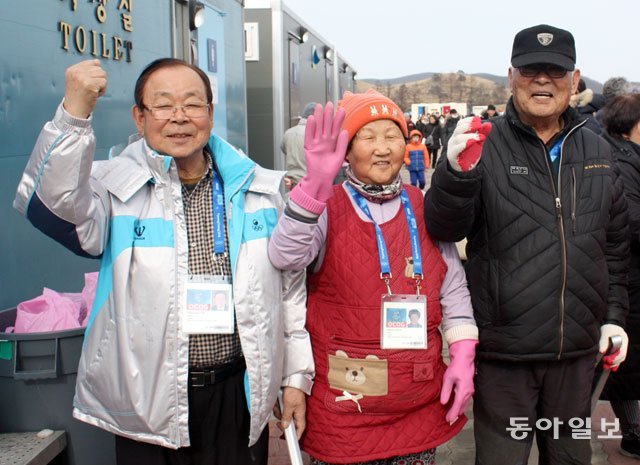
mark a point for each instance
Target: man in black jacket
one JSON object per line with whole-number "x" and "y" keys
{"x": 546, "y": 222}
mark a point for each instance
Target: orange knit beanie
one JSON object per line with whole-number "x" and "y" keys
{"x": 369, "y": 106}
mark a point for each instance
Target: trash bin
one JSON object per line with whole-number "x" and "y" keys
{"x": 37, "y": 385}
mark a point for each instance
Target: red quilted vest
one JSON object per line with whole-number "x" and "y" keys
{"x": 343, "y": 314}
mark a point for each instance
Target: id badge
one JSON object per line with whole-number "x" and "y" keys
{"x": 403, "y": 321}
{"x": 207, "y": 305}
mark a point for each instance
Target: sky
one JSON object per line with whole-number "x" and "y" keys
{"x": 383, "y": 39}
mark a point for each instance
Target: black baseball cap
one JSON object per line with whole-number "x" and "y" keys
{"x": 544, "y": 44}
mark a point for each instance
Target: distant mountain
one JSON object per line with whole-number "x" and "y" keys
{"x": 439, "y": 87}
{"x": 502, "y": 80}
{"x": 475, "y": 89}
{"x": 399, "y": 80}
{"x": 593, "y": 85}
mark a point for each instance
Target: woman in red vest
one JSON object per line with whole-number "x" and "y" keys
{"x": 378, "y": 290}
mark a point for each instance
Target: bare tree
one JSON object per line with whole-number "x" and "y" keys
{"x": 416, "y": 93}
{"x": 448, "y": 84}
{"x": 403, "y": 97}
{"x": 460, "y": 81}
{"x": 437, "y": 91}
{"x": 478, "y": 93}
{"x": 499, "y": 93}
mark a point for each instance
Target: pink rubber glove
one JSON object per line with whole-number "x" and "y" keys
{"x": 325, "y": 147}
{"x": 465, "y": 145}
{"x": 459, "y": 377}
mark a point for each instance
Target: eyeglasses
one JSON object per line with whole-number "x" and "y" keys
{"x": 553, "y": 71}
{"x": 166, "y": 112}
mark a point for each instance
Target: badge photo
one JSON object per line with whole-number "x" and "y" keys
{"x": 403, "y": 322}
{"x": 207, "y": 306}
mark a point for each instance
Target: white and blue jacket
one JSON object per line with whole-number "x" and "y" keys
{"x": 128, "y": 211}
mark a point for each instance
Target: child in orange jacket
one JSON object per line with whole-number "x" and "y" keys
{"x": 416, "y": 157}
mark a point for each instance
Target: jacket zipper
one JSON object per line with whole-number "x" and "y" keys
{"x": 176, "y": 204}
{"x": 563, "y": 244}
{"x": 563, "y": 250}
{"x": 574, "y": 199}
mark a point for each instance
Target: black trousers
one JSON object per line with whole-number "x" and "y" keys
{"x": 533, "y": 390}
{"x": 218, "y": 430}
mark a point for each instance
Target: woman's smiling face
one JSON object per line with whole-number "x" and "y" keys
{"x": 377, "y": 152}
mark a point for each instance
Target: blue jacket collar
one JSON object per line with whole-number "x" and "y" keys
{"x": 235, "y": 168}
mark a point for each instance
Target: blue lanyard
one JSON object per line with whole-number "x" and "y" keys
{"x": 217, "y": 201}
{"x": 385, "y": 269}
{"x": 413, "y": 233}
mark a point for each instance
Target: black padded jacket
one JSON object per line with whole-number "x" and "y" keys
{"x": 547, "y": 257}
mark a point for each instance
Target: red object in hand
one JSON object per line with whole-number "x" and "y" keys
{"x": 465, "y": 146}
{"x": 609, "y": 360}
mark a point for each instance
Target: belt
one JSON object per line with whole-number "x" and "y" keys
{"x": 206, "y": 376}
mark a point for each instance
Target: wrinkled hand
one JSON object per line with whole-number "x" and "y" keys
{"x": 295, "y": 406}
{"x": 289, "y": 183}
{"x": 459, "y": 377}
{"x": 613, "y": 361}
{"x": 465, "y": 145}
{"x": 84, "y": 83}
{"x": 325, "y": 147}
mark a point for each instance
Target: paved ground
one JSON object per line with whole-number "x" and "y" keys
{"x": 460, "y": 450}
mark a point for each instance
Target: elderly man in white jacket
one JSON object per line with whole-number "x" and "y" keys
{"x": 175, "y": 217}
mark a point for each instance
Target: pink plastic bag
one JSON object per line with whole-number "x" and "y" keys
{"x": 54, "y": 311}
{"x": 88, "y": 295}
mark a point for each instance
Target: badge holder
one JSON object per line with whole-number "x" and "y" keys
{"x": 207, "y": 305}
{"x": 403, "y": 318}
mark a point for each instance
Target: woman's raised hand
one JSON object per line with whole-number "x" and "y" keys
{"x": 325, "y": 147}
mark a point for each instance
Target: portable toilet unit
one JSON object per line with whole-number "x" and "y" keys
{"x": 288, "y": 65}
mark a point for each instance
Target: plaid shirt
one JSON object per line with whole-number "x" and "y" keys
{"x": 207, "y": 349}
